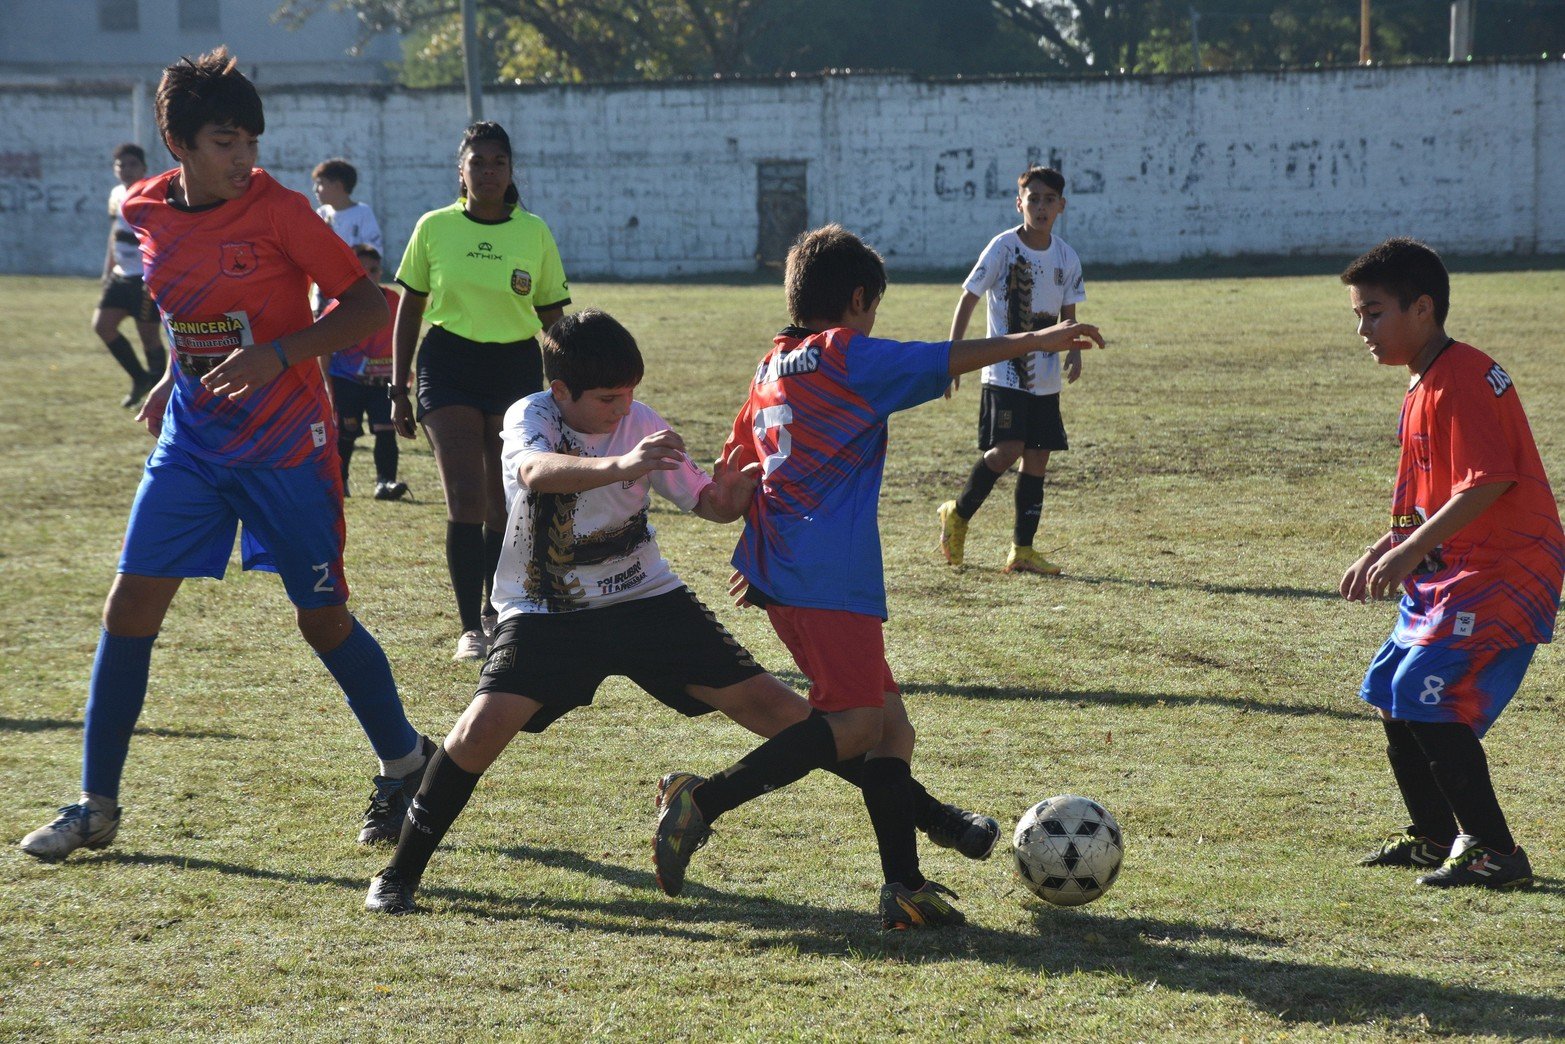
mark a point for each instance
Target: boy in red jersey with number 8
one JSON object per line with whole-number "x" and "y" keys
{"x": 810, "y": 554}
{"x": 1475, "y": 544}
{"x": 244, "y": 436}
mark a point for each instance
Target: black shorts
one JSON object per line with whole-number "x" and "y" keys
{"x": 662, "y": 643}
{"x": 1008, "y": 415}
{"x": 129, "y": 294}
{"x": 356, "y": 400}
{"x": 453, "y": 371}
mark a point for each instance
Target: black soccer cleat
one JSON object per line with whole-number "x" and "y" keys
{"x": 1408, "y": 851}
{"x": 902, "y": 908}
{"x": 390, "y": 893}
{"x": 390, "y": 799}
{"x": 1482, "y": 867}
{"x": 681, "y": 830}
{"x": 969, "y": 833}
{"x": 392, "y": 490}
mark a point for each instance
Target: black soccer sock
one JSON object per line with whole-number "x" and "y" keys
{"x": 125, "y": 355}
{"x": 465, "y": 561}
{"x": 1457, "y": 760}
{"x": 925, "y": 806}
{"x": 387, "y": 456}
{"x": 889, "y": 800}
{"x": 494, "y": 541}
{"x": 786, "y": 758}
{"x": 1426, "y": 805}
{"x": 344, "y": 453}
{"x": 1029, "y": 508}
{"x": 445, "y": 792}
{"x": 979, "y": 483}
{"x": 157, "y": 359}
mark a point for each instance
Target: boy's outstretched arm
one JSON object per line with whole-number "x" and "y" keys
{"x": 1391, "y": 568}
{"x": 732, "y": 489}
{"x": 360, "y": 311}
{"x": 1072, "y": 363}
{"x": 564, "y": 473}
{"x": 1061, "y": 337}
{"x": 964, "y": 315}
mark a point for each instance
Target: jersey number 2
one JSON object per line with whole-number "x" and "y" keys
{"x": 778, "y": 417}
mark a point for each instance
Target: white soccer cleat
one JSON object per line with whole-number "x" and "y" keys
{"x": 472, "y": 646}
{"x": 77, "y": 826}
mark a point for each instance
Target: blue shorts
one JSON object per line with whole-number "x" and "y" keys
{"x": 187, "y": 511}
{"x": 1439, "y": 683}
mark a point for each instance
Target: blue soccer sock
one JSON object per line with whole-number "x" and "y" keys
{"x": 115, "y": 694}
{"x": 360, "y": 666}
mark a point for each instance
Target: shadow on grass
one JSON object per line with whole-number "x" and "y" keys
{"x": 1220, "y": 589}
{"x": 1170, "y": 954}
{"x": 62, "y": 724}
{"x": 1085, "y": 698}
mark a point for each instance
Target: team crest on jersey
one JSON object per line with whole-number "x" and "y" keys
{"x": 521, "y": 282}
{"x": 237, "y": 260}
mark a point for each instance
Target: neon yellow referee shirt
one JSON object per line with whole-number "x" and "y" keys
{"x": 484, "y": 281}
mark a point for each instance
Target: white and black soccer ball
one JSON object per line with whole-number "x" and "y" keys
{"x": 1068, "y": 850}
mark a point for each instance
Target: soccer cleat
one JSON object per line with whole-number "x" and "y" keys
{"x": 681, "y": 829}
{"x": 953, "y": 532}
{"x": 1406, "y": 850}
{"x": 390, "y": 490}
{"x": 390, "y": 894}
{"x": 902, "y": 908}
{"x": 1482, "y": 867}
{"x": 470, "y": 647}
{"x": 967, "y": 832}
{"x": 77, "y": 826}
{"x": 389, "y": 801}
{"x": 1026, "y": 560}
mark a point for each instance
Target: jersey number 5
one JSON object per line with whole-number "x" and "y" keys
{"x": 778, "y": 417}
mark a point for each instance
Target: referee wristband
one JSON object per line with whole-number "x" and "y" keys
{"x": 282, "y": 357}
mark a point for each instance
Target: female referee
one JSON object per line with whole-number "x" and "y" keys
{"x": 486, "y": 274}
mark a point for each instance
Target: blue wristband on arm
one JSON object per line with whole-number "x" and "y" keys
{"x": 282, "y": 357}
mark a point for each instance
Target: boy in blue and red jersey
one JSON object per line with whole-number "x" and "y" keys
{"x": 810, "y": 554}
{"x": 244, "y": 435}
{"x": 1476, "y": 546}
{"x": 360, "y": 377}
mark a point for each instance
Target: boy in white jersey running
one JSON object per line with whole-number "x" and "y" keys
{"x": 1031, "y": 279}
{"x": 583, "y": 591}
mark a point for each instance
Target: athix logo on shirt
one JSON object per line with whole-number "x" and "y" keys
{"x": 210, "y": 336}
{"x": 484, "y": 253}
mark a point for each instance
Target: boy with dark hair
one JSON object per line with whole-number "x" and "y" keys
{"x": 810, "y": 554}
{"x": 334, "y": 182}
{"x": 243, "y": 428}
{"x": 124, "y": 294}
{"x": 1031, "y": 279}
{"x": 583, "y": 591}
{"x": 1476, "y": 545}
{"x": 360, "y": 377}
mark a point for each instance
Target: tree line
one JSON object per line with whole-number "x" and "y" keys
{"x": 568, "y": 41}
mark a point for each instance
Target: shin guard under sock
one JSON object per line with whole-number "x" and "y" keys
{"x": 465, "y": 561}
{"x": 979, "y": 484}
{"x": 785, "y": 758}
{"x": 387, "y": 456}
{"x": 889, "y": 801}
{"x": 445, "y": 792}
{"x": 115, "y": 694}
{"x": 925, "y": 806}
{"x": 125, "y": 355}
{"x": 1426, "y": 806}
{"x": 1029, "y": 508}
{"x": 360, "y": 666}
{"x": 1457, "y": 760}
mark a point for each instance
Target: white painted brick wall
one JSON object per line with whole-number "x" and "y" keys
{"x": 660, "y": 180}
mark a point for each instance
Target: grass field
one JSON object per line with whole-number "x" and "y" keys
{"x": 1194, "y": 670}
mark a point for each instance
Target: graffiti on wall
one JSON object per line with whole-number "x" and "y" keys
{"x": 956, "y": 179}
{"x": 24, "y": 191}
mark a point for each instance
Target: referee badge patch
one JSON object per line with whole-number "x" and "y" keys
{"x": 521, "y": 281}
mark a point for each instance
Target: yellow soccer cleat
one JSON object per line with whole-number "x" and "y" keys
{"x": 1026, "y": 560}
{"x": 953, "y": 532}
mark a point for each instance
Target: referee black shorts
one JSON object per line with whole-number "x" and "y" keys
{"x": 663, "y": 644}
{"x": 1009, "y": 415}
{"x": 128, "y": 294}
{"x": 453, "y": 371}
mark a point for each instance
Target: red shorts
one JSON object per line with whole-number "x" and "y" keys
{"x": 842, "y": 653}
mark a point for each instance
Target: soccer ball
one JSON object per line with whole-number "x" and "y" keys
{"x": 1068, "y": 850}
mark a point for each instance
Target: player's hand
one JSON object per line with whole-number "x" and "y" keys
{"x": 956, "y": 382}
{"x": 739, "y": 590}
{"x": 734, "y": 480}
{"x": 245, "y": 370}
{"x": 155, "y": 404}
{"x": 661, "y": 451}
{"x": 1384, "y": 575}
{"x": 1072, "y": 365}
{"x": 1070, "y": 335}
{"x": 1354, "y": 582}
{"x": 402, "y": 417}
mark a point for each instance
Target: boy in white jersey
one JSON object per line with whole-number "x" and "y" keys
{"x": 334, "y": 182}
{"x": 1031, "y": 280}
{"x": 583, "y": 592}
{"x": 124, "y": 294}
